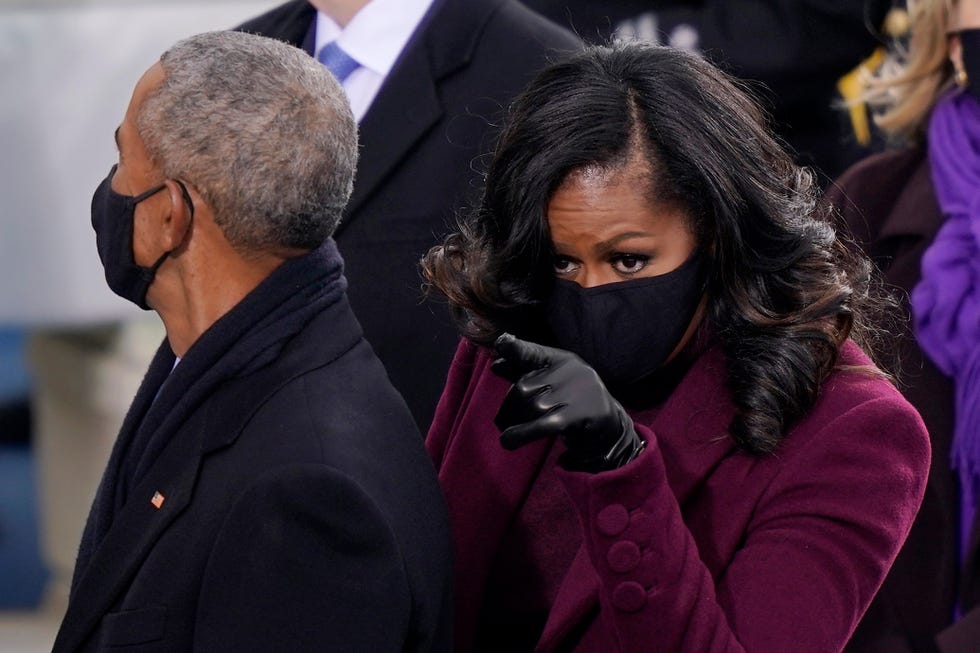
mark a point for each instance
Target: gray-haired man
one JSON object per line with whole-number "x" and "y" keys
{"x": 268, "y": 489}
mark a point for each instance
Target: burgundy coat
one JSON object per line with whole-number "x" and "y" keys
{"x": 695, "y": 545}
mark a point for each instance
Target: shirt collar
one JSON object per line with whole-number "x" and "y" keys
{"x": 377, "y": 34}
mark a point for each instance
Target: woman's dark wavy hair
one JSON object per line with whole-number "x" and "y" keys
{"x": 785, "y": 292}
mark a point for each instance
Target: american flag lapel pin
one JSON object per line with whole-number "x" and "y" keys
{"x": 157, "y": 500}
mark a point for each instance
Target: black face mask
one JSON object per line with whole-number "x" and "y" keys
{"x": 970, "y": 40}
{"x": 112, "y": 219}
{"x": 626, "y": 330}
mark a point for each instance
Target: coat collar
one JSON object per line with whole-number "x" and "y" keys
{"x": 918, "y": 203}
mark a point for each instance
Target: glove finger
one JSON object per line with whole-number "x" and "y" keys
{"x": 507, "y": 369}
{"x": 528, "y": 398}
{"x": 517, "y": 436}
{"x": 521, "y": 404}
{"x": 523, "y": 356}
{"x": 547, "y": 425}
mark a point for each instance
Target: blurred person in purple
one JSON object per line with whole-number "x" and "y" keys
{"x": 916, "y": 210}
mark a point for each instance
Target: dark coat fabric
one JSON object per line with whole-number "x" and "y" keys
{"x": 287, "y": 506}
{"x": 889, "y": 205}
{"x": 794, "y": 52}
{"x": 696, "y": 546}
{"x": 423, "y": 146}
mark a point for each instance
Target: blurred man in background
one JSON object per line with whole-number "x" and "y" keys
{"x": 428, "y": 81}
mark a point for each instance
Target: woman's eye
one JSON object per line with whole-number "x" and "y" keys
{"x": 564, "y": 265}
{"x": 630, "y": 263}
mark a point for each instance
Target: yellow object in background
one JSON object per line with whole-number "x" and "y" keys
{"x": 851, "y": 85}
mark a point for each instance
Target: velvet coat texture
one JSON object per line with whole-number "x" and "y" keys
{"x": 424, "y": 143}
{"x": 281, "y": 498}
{"x": 696, "y": 546}
{"x": 889, "y": 204}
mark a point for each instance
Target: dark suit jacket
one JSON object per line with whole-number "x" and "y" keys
{"x": 421, "y": 146}
{"x": 296, "y": 511}
{"x": 890, "y": 207}
{"x": 696, "y": 546}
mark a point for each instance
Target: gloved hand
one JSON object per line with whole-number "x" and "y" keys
{"x": 556, "y": 393}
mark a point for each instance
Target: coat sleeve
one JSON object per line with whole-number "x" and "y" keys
{"x": 822, "y": 537}
{"x": 305, "y": 561}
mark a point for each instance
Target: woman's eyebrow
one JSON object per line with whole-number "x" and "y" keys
{"x": 606, "y": 246}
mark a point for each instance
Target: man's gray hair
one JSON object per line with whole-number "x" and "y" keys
{"x": 263, "y": 132}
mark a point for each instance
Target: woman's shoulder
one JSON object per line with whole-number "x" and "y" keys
{"x": 858, "y": 405}
{"x": 856, "y": 380}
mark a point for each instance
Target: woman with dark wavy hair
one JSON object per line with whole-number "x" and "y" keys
{"x": 660, "y": 431}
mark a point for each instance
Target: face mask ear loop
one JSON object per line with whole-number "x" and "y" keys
{"x": 187, "y": 196}
{"x": 190, "y": 205}
{"x": 147, "y": 193}
{"x": 151, "y": 271}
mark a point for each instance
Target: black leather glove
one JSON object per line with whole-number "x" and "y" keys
{"x": 556, "y": 393}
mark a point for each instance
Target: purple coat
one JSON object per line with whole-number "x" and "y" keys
{"x": 695, "y": 545}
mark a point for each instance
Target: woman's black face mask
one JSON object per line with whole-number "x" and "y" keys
{"x": 627, "y": 330}
{"x": 112, "y": 219}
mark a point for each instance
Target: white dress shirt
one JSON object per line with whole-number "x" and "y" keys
{"x": 374, "y": 38}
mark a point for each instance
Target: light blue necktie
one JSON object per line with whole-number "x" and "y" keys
{"x": 337, "y": 61}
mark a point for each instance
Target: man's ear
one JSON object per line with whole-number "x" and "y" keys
{"x": 177, "y": 225}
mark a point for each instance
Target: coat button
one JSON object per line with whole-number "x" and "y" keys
{"x": 613, "y": 520}
{"x": 629, "y": 597}
{"x": 623, "y": 556}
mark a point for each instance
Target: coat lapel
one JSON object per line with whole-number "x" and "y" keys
{"x": 152, "y": 506}
{"x": 692, "y": 428}
{"x": 487, "y": 491}
{"x": 408, "y": 106}
{"x": 393, "y": 125}
{"x": 577, "y": 596}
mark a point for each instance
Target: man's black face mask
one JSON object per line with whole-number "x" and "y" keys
{"x": 112, "y": 219}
